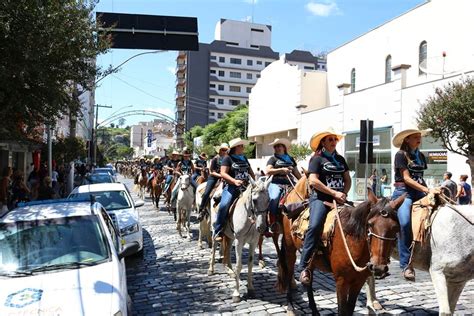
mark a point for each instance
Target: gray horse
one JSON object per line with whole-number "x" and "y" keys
{"x": 248, "y": 221}
{"x": 448, "y": 255}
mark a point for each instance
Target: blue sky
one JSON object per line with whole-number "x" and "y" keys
{"x": 148, "y": 82}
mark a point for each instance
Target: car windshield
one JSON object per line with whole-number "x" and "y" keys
{"x": 51, "y": 244}
{"x": 103, "y": 170}
{"x": 98, "y": 178}
{"x": 110, "y": 200}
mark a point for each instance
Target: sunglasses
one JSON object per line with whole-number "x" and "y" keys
{"x": 278, "y": 145}
{"x": 331, "y": 139}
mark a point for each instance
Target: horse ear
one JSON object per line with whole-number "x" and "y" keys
{"x": 305, "y": 172}
{"x": 395, "y": 204}
{"x": 371, "y": 196}
{"x": 268, "y": 181}
{"x": 252, "y": 182}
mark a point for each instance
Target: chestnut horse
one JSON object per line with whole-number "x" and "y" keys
{"x": 168, "y": 196}
{"x": 156, "y": 187}
{"x": 203, "y": 177}
{"x": 369, "y": 255}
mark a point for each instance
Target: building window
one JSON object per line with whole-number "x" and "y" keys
{"x": 212, "y": 71}
{"x": 213, "y": 57}
{"x": 234, "y": 102}
{"x": 388, "y": 69}
{"x": 308, "y": 68}
{"x": 234, "y": 74}
{"x": 212, "y": 85}
{"x": 234, "y": 88}
{"x": 353, "y": 80}
{"x": 236, "y": 61}
{"x": 249, "y": 62}
{"x": 258, "y": 76}
{"x": 267, "y": 63}
{"x": 222, "y": 59}
{"x": 212, "y": 114}
{"x": 220, "y": 115}
{"x": 259, "y": 62}
{"x": 212, "y": 100}
{"x": 422, "y": 54}
{"x": 220, "y": 101}
{"x": 249, "y": 89}
{"x": 247, "y": 102}
{"x": 249, "y": 76}
{"x": 220, "y": 87}
{"x": 256, "y": 30}
{"x": 254, "y": 46}
{"x": 221, "y": 73}
{"x": 232, "y": 44}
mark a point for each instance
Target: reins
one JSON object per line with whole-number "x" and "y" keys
{"x": 450, "y": 203}
{"x": 294, "y": 188}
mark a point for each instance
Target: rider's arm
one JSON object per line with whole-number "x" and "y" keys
{"x": 318, "y": 185}
{"x": 226, "y": 176}
{"x": 177, "y": 170}
{"x": 296, "y": 173}
{"x": 347, "y": 182}
{"x": 212, "y": 169}
{"x": 193, "y": 168}
{"x": 270, "y": 171}
{"x": 412, "y": 183}
{"x": 251, "y": 173}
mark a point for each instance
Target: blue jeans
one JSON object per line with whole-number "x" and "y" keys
{"x": 317, "y": 216}
{"x": 404, "y": 217}
{"x": 211, "y": 182}
{"x": 274, "y": 193}
{"x": 229, "y": 194}
{"x": 168, "y": 180}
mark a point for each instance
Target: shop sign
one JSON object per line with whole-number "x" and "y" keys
{"x": 437, "y": 157}
{"x": 375, "y": 139}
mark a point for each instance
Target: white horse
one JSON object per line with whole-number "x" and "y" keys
{"x": 448, "y": 255}
{"x": 184, "y": 204}
{"x": 205, "y": 224}
{"x": 247, "y": 222}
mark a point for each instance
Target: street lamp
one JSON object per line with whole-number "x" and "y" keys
{"x": 124, "y": 107}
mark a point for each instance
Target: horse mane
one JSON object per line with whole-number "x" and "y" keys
{"x": 354, "y": 219}
{"x": 301, "y": 188}
{"x": 380, "y": 206}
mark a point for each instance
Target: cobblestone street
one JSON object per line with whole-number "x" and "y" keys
{"x": 172, "y": 279}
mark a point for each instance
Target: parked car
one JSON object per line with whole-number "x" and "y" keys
{"x": 121, "y": 207}
{"x": 108, "y": 170}
{"x": 62, "y": 258}
{"x": 98, "y": 178}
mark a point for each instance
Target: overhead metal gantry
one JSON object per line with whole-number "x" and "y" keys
{"x": 126, "y": 114}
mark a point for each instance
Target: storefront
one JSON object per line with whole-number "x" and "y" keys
{"x": 382, "y": 169}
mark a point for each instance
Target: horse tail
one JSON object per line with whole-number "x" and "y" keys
{"x": 283, "y": 277}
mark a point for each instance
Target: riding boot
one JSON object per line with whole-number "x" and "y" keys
{"x": 202, "y": 213}
{"x": 274, "y": 224}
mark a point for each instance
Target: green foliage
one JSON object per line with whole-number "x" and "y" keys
{"x": 114, "y": 143}
{"x": 48, "y": 51}
{"x": 300, "y": 151}
{"x": 450, "y": 114}
{"x": 189, "y": 136}
{"x": 66, "y": 150}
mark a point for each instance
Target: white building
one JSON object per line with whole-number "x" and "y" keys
{"x": 286, "y": 89}
{"x": 162, "y": 137}
{"x": 385, "y": 75}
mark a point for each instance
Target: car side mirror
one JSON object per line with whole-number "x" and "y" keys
{"x": 128, "y": 249}
{"x": 139, "y": 203}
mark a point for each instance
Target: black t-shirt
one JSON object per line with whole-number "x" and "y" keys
{"x": 186, "y": 166}
{"x": 239, "y": 169}
{"x": 414, "y": 163}
{"x": 201, "y": 164}
{"x": 216, "y": 163}
{"x": 280, "y": 162}
{"x": 330, "y": 171}
{"x": 172, "y": 164}
{"x": 158, "y": 166}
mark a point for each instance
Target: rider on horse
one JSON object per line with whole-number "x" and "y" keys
{"x": 409, "y": 166}
{"x": 171, "y": 166}
{"x": 280, "y": 165}
{"x": 185, "y": 166}
{"x": 329, "y": 180}
{"x": 235, "y": 170}
{"x": 199, "y": 165}
{"x": 157, "y": 165}
{"x": 214, "y": 176}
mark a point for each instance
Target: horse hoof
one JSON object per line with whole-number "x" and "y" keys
{"x": 251, "y": 293}
{"x": 209, "y": 272}
{"x": 376, "y": 306}
{"x": 290, "y": 313}
{"x": 235, "y": 299}
{"x": 262, "y": 264}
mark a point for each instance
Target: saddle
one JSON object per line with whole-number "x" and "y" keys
{"x": 422, "y": 215}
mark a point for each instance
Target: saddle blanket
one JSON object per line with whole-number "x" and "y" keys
{"x": 300, "y": 226}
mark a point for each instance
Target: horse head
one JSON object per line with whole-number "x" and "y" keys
{"x": 382, "y": 229}
{"x": 185, "y": 181}
{"x": 260, "y": 200}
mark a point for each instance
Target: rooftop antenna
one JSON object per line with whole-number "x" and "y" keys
{"x": 253, "y": 7}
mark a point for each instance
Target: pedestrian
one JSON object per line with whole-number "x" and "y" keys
{"x": 54, "y": 179}
{"x": 235, "y": 171}
{"x": 373, "y": 181}
{"x": 45, "y": 191}
{"x": 20, "y": 192}
{"x": 464, "y": 194}
{"x": 280, "y": 166}
{"x": 5, "y": 195}
{"x": 409, "y": 165}
{"x": 329, "y": 180}
{"x": 214, "y": 177}
{"x": 450, "y": 185}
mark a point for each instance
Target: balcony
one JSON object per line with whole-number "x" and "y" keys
{"x": 180, "y": 68}
{"x": 180, "y": 95}
{"x": 180, "y": 81}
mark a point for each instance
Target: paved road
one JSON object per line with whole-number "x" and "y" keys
{"x": 172, "y": 279}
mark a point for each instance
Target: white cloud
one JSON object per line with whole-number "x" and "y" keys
{"x": 171, "y": 69}
{"x": 248, "y": 18}
{"x": 324, "y": 8}
{"x": 251, "y": 1}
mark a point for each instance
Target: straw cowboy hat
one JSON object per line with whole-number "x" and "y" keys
{"x": 203, "y": 155}
{"x": 283, "y": 141}
{"x": 316, "y": 138}
{"x": 175, "y": 152}
{"x": 398, "y": 139}
{"x": 237, "y": 142}
{"x": 186, "y": 153}
{"x": 222, "y": 146}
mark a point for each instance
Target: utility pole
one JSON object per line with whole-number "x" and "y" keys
{"x": 95, "y": 134}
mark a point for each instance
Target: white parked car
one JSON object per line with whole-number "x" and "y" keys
{"x": 62, "y": 258}
{"x": 119, "y": 204}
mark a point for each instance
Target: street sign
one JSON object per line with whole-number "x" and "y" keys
{"x": 157, "y": 32}
{"x": 149, "y": 137}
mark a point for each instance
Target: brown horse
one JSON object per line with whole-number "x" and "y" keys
{"x": 373, "y": 218}
{"x": 141, "y": 182}
{"x": 167, "y": 195}
{"x": 203, "y": 177}
{"x": 156, "y": 187}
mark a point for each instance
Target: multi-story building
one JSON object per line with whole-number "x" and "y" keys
{"x": 219, "y": 76}
{"x": 161, "y": 137}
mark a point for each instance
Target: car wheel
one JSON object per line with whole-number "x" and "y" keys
{"x": 140, "y": 254}
{"x": 129, "y": 305}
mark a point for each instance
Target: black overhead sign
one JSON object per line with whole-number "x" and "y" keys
{"x": 138, "y": 31}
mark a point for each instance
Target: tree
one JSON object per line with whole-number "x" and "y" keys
{"x": 300, "y": 151}
{"x": 189, "y": 136}
{"x": 66, "y": 149}
{"x": 450, "y": 115}
{"x": 121, "y": 122}
{"x": 48, "y": 51}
